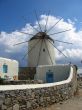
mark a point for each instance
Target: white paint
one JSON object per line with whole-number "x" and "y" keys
{"x": 33, "y": 86}
{"x": 44, "y": 59}
{"x": 60, "y": 72}
{"x": 12, "y": 68}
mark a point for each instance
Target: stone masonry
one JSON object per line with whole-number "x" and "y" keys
{"x": 30, "y": 99}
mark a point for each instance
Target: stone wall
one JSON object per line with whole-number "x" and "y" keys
{"x": 37, "y": 97}
{"x": 26, "y": 73}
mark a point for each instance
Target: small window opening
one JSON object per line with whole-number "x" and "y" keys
{"x": 43, "y": 50}
{"x": 5, "y": 68}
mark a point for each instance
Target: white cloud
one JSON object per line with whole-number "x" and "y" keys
{"x": 74, "y": 51}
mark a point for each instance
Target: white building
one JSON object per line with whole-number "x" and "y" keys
{"x": 52, "y": 73}
{"x": 9, "y": 69}
{"x": 41, "y": 50}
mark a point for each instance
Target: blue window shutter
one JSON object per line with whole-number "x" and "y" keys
{"x": 5, "y": 68}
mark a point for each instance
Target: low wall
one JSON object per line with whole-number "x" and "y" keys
{"x": 20, "y": 82}
{"x": 33, "y": 96}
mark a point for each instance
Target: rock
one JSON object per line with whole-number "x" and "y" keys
{"x": 2, "y": 97}
{"x": 41, "y": 99}
{"x": 7, "y": 101}
{"x": 10, "y": 108}
{"x": 28, "y": 104}
{"x": 16, "y": 107}
{"x": 1, "y": 101}
{"x": 4, "y": 107}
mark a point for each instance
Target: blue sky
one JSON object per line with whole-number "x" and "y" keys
{"x": 13, "y": 13}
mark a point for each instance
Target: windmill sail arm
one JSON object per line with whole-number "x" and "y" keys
{"x": 30, "y": 24}
{"x": 58, "y": 49}
{"x": 48, "y": 51}
{"x": 54, "y": 25}
{"x": 39, "y": 52}
{"x": 20, "y": 43}
{"x": 63, "y": 42}
{"x": 60, "y": 32}
{"x": 34, "y": 28}
{"x": 26, "y": 33}
{"x": 38, "y": 21}
{"x": 46, "y": 21}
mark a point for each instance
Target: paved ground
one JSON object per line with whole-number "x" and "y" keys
{"x": 74, "y": 103}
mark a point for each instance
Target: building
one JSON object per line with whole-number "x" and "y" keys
{"x": 9, "y": 69}
{"x": 41, "y": 50}
{"x": 52, "y": 73}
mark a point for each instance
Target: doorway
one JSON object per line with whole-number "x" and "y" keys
{"x": 49, "y": 77}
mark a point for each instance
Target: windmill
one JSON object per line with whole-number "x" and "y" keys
{"x": 41, "y": 45}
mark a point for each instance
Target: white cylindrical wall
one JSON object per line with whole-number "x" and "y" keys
{"x": 44, "y": 59}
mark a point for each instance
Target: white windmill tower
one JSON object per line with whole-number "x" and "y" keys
{"x": 41, "y": 46}
{"x": 42, "y": 52}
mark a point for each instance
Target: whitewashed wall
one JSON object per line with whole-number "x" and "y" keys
{"x": 60, "y": 72}
{"x": 13, "y": 68}
{"x": 44, "y": 56}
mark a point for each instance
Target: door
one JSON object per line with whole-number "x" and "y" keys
{"x": 49, "y": 77}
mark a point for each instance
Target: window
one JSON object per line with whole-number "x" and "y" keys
{"x": 43, "y": 50}
{"x": 5, "y": 68}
